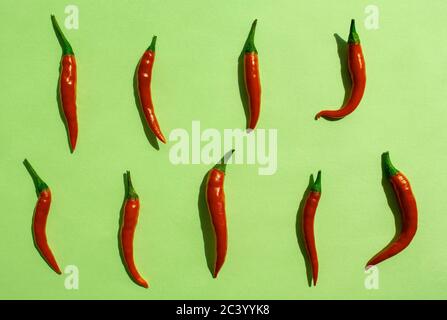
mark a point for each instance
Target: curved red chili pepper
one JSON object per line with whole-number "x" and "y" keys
{"x": 67, "y": 85}
{"x": 251, "y": 76}
{"x": 127, "y": 231}
{"x": 144, "y": 78}
{"x": 408, "y": 211}
{"x": 356, "y": 64}
{"x": 40, "y": 218}
{"x": 215, "y": 199}
{"x": 310, "y": 207}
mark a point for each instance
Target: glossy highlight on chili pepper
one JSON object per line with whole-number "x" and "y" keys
{"x": 144, "y": 78}
{"x": 356, "y": 64}
{"x": 408, "y": 211}
{"x": 251, "y": 77}
{"x": 309, "y": 210}
{"x": 215, "y": 199}
{"x": 127, "y": 231}
{"x": 40, "y": 216}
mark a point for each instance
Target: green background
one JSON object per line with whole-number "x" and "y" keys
{"x": 195, "y": 78}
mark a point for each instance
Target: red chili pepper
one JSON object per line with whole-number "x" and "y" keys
{"x": 67, "y": 85}
{"x": 40, "y": 218}
{"x": 252, "y": 80}
{"x": 309, "y": 210}
{"x": 408, "y": 211}
{"x": 215, "y": 199}
{"x": 144, "y": 77}
{"x": 127, "y": 231}
{"x": 356, "y": 64}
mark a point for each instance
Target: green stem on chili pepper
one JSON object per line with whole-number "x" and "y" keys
{"x": 38, "y": 182}
{"x": 152, "y": 45}
{"x": 66, "y": 46}
{"x": 389, "y": 169}
{"x": 316, "y": 186}
{"x": 250, "y": 43}
{"x": 131, "y": 193}
{"x": 353, "y": 35}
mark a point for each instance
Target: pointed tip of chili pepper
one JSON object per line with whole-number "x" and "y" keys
{"x": 316, "y": 186}
{"x": 321, "y": 114}
{"x": 39, "y": 184}
{"x": 161, "y": 137}
{"x": 216, "y": 272}
{"x": 66, "y": 46}
{"x": 142, "y": 283}
{"x": 222, "y": 164}
{"x": 374, "y": 261}
{"x": 353, "y": 36}
{"x": 250, "y": 43}
{"x": 152, "y": 45}
{"x": 388, "y": 169}
{"x": 252, "y": 124}
{"x": 72, "y": 146}
{"x": 131, "y": 194}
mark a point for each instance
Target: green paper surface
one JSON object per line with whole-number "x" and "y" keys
{"x": 195, "y": 77}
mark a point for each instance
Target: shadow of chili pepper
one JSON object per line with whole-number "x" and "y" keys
{"x": 206, "y": 226}
{"x": 147, "y": 131}
{"x": 241, "y": 82}
{"x": 342, "y": 51}
{"x": 299, "y": 232}
{"x": 392, "y": 201}
{"x": 120, "y": 222}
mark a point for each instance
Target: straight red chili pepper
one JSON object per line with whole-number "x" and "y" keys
{"x": 67, "y": 85}
{"x": 356, "y": 65}
{"x": 251, "y": 76}
{"x": 144, "y": 78}
{"x": 40, "y": 218}
{"x": 127, "y": 231}
{"x": 215, "y": 199}
{"x": 408, "y": 212}
{"x": 310, "y": 208}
